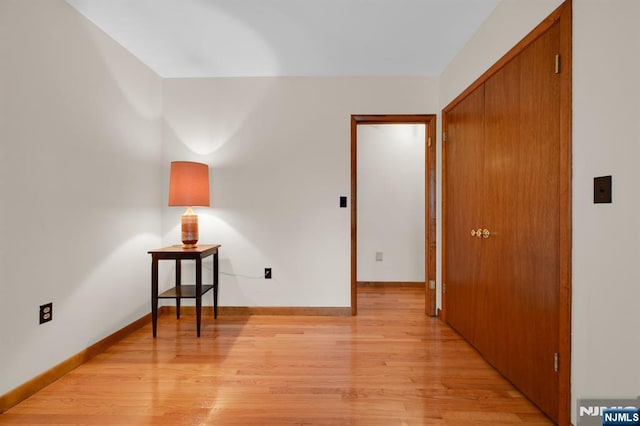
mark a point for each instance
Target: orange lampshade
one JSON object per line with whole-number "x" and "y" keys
{"x": 188, "y": 187}
{"x": 189, "y": 184}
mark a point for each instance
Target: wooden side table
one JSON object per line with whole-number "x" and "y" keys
{"x": 180, "y": 291}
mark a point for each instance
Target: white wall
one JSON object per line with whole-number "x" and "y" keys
{"x": 391, "y": 204}
{"x": 279, "y": 151}
{"x": 80, "y": 199}
{"x": 606, "y": 237}
{"x": 606, "y": 93}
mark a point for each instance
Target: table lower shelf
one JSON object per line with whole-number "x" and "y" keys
{"x": 184, "y": 292}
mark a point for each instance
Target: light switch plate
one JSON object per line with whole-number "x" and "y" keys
{"x": 602, "y": 190}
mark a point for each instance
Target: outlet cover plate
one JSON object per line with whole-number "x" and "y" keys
{"x": 46, "y": 312}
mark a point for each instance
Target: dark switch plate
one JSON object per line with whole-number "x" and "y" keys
{"x": 343, "y": 202}
{"x": 602, "y": 189}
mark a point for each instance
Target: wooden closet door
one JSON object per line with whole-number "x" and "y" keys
{"x": 463, "y": 170}
{"x": 537, "y": 238}
{"x": 502, "y": 173}
{"x": 522, "y": 171}
{"x": 501, "y": 170}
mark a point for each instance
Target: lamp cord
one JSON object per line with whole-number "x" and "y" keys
{"x": 243, "y": 276}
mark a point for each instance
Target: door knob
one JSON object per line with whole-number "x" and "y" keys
{"x": 476, "y": 233}
{"x": 481, "y": 233}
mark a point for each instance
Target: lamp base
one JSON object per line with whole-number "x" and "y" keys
{"x": 189, "y": 229}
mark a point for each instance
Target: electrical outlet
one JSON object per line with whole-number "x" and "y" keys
{"x": 46, "y": 313}
{"x": 378, "y": 256}
{"x": 267, "y": 273}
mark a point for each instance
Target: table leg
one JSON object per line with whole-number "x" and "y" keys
{"x": 215, "y": 285}
{"x": 154, "y": 294}
{"x": 198, "y": 293}
{"x": 178, "y": 283}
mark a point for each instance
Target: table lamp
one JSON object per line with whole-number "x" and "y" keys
{"x": 188, "y": 187}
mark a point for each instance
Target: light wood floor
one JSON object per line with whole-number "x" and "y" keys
{"x": 390, "y": 365}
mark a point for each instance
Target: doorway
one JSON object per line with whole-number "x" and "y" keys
{"x": 428, "y": 236}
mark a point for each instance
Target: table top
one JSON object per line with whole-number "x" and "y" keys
{"x": 178, "y": 250}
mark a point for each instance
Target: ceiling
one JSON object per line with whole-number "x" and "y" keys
{"x": 225, "y": 38}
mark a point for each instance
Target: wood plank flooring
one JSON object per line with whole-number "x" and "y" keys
{"x": 390, "y": 365}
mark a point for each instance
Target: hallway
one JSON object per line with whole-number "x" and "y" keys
{"x": 390, "y": 365}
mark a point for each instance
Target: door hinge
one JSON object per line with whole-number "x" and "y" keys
{"x": 556, "y": 362}
{"x": 444, "y": 136}
{"x": 432, "y": 284}
{"x": 444, "y": 287}
{"x": 557, "y": 64}
{"x": 429, "y": 143}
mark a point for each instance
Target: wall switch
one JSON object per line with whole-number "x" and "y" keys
{"x": 267, "y": 273}
{"x": 343, "y": 202}
{"x": 602, "y": 189}
{"x": 378, "y": 256}
{"x": 46, "y": 313}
